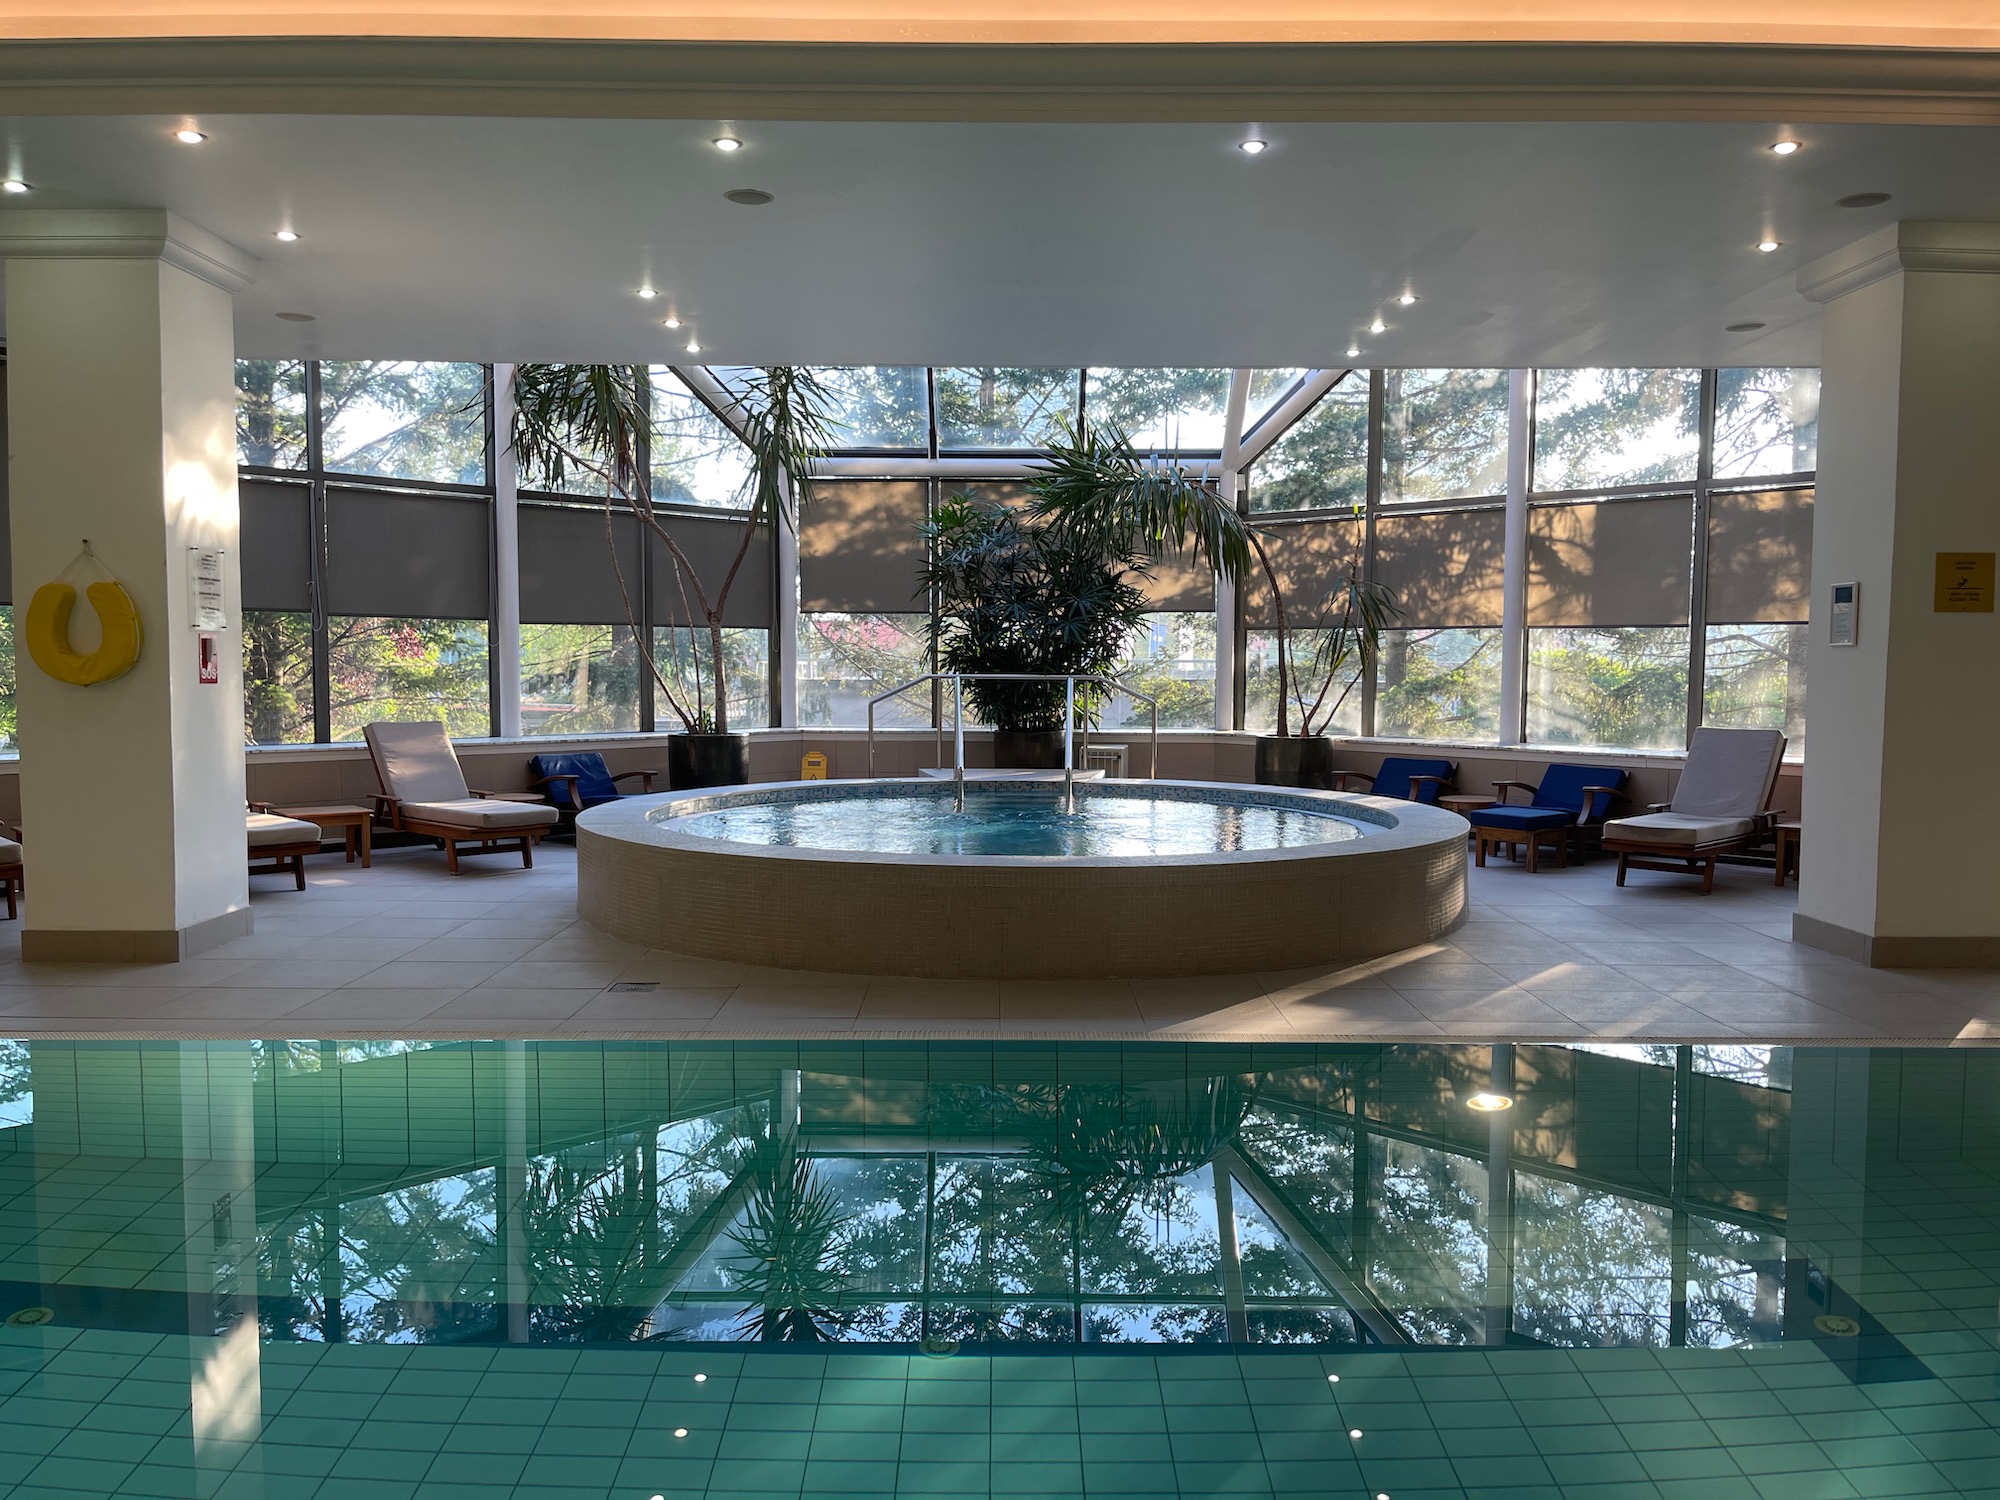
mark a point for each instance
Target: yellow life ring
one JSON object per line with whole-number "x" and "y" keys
{"x": 48, "y": 633}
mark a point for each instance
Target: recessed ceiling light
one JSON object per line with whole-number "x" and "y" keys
{"x": 1743, "y": 327}
{"x": 1488, "y": 1104}
{"x": 1252, "y": 147}
{"x": 1408, "y": 299}
{"x": 1861, "y": 200}
{"x": 647, "y": 294}
{"x": 1783, "y": 148}
{"x": 1354, "y": 353}
{"x": 1378, "y": 326}
{"x": 189, "y": 137}
{"x": 299, "y": 317}
{"x": 1767, "y": 246}
{"x": 13, "y": 185}
{"x": 287, "y": 235}
{"x": 670, "y": 321}
{"x": 726, "y": 143}
{"x": 694, "y": 347}
{"x": 753, "y": 197}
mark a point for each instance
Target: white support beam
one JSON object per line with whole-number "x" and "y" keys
{"x": 1279, "y": 419}
{"x": 1225, "y": 590}
{"x": 506, "y": 644}
{"x": 1514, "y": 577}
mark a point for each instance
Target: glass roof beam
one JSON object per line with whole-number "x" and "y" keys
{"x": 1280, "y": 418}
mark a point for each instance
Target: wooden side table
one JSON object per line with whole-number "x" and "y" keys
{"x": 356, "y": 825}
{"x": 1465, "y": 802}
{"x": 1788, "y": 852}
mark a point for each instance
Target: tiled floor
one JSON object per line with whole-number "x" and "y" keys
{"x": 406, "y": 950}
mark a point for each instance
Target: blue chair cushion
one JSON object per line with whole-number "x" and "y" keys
{"x": 1562, "y": 787}
{"x": 1521, "y": 819}
{"x": 1393, "y": 779}
{"x": 593, "y": 781}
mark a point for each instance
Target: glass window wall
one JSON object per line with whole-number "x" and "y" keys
{"x": 271, "y": 413}
{"x": 1600, "y": 429}
{"x": 696, "y": 459}
{"x": 1322, "y": 462}
{"x": 277, "y": 677}
{"x": 1620, "y": 687}
{"x": 579, "y": 679}
{"x": 880, "y": 408}
{"x": 1444, "y": 434}
{"x": 396, "y": 419}
{"x": 1438, "y": 685}
{"x": 988, "y": 408}
{"x": 407, "y": 669}
{"x": 846, "y": 659}
{"x": 1161, "y": 411}
{"x": 1766, "y": 422}
{"x": 746, "y": 666}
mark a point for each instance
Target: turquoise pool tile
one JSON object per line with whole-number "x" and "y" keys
{"x": 1897, "y": 1479}
{"x": 790, "y": 1446}
{"x": 874, "y": 1419}
{"x": 93, "y": 1476}
{"x": 1012, "y": 1479}
{"x": 1032, "y": 1419}
{"x": 1574, "y": 1469}
{"x": 1823, "y": 1485}
{"x": 1716, "y": 1487}
{"x": 850, "y": 1477}
{"x": 943, "y": 1447}
{"x": 376, "y": 1463}
{"x": 570, "y": 1469}
{"x": 960, "y": 1419}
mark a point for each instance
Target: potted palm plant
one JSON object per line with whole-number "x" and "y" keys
{"x": 1098, "y": 489}
{"x": 1015, "y": 596}
{"x": 594, "y": 420}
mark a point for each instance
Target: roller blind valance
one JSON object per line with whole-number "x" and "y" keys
{"x": 567, "y": 572}
{"x": 408, "y": 556}
{"x": 860, "y": 551}
{"x": 275, "y": 542}
{"x": 1611, "y": 562}
{"x": 1760, "y": 557}
{"x": 709, "y": 546}
{"x": 1310, "y": 558}
{"x": 1446, "y": 567}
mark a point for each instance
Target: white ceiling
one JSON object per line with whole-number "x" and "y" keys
{"x": 1019, "y": 244}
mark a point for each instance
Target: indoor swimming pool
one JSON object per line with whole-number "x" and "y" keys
{"x": 535, "y": 1269}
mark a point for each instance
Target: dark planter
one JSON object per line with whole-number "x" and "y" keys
{"x": 1296, "y": 760}
{"x": 1028, "y": 749}
{"x": 697, "y": 760}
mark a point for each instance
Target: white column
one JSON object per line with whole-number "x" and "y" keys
{"x": 122, "y": 408}
{"x": 506, "y": 645}
{"x": 785, "y": 618}
{"x": 1514, "y": 582}
{"x": 1897, "y": 857}
{"x": 1225, "y": 591}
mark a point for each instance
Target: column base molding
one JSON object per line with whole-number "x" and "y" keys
{"x": 1885, "y": 952}
{"x": 144, "y": 946}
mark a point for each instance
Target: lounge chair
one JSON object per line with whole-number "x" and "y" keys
{"x": 1404, "y": 777}
{"x": 1570, "y": 801}
{"x": 285, "y": 842}
{"x": 1721, "y": 804}
{"x": 578, "y": 781}
{"x": 424, "y": 792}
{"x": 10, "y": 873}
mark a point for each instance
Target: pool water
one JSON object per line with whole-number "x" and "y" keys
{"x": 1020, "y": 823}
{"x": 423, "y": 1270}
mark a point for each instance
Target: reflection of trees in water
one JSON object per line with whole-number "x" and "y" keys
{"x": 792, "y": 1241}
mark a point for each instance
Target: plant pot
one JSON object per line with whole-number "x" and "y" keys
{"x": 1304, "y": 761}
{"x": 1028, "y": 749}
{"x": 697, "y": 760}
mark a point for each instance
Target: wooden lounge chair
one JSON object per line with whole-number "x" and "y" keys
{"x": 11, "y": 875}
{"x": 1721, "y": 804}
{"x": 1569, "y": 802}
{"x": 285, "y": 842}
{"x": 424, "y": 792}
{"x": 1404, "y": 777}
{"x": 578, "y": 781}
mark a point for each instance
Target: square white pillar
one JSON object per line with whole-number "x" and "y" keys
{"x": 1898, "y": 866}
{"x": 122, "y": 424}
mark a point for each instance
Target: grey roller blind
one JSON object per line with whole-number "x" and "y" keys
{"x": 859, "y": 548}
{"x": 275, "y": 545}
{"x": 1310, "y": 559}
{"x": 408, "y": 556}
{"x": 1760, "y": 557}
{"x": 1445, "y": 567}
{"x": 567, "y": 576}
{"x": 1177, "y": 584}
{"x": 6, "y": 515}
{"x": 990, "y": 491}
{"x": 709, "y": 545}
{"x": 1624, "y": 562}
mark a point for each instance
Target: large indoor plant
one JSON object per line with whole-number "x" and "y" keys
{"x": 1017, "y": 595}
{"x": 595, "y": 420}
{"x": 1098, "y": 489}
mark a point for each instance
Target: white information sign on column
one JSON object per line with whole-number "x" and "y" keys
{"x": 207, "y": 609}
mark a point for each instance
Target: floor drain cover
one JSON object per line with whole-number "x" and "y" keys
{"x": 634, "y": 986}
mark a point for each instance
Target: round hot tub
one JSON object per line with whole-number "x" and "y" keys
{"x": 1143, "y": 878}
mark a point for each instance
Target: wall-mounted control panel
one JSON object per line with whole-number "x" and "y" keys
{"x": 1845, "y": 615}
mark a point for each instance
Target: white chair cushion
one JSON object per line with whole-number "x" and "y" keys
{"x": 478, "y": 815}
{"x": 1674, "y": 830}
{"x": 10, "y": 852}
{"x": 268, "y": 829}
{"x": 1729, "y": 773}
{"x": 416, "y": 762}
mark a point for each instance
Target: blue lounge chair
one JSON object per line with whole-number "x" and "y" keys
{"x": 1404, "y": 777}
{"x": 578, "y": 780}
{"x": 1570, "y": 800}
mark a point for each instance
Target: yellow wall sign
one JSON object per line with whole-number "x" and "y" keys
{"x": 1964, "y": 583}
{"x": 812, "y": 766}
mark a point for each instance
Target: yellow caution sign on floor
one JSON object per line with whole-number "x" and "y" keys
{"x": 812, "y": 766}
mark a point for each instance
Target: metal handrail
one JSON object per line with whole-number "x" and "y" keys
{"x": 1069, "y": 680}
